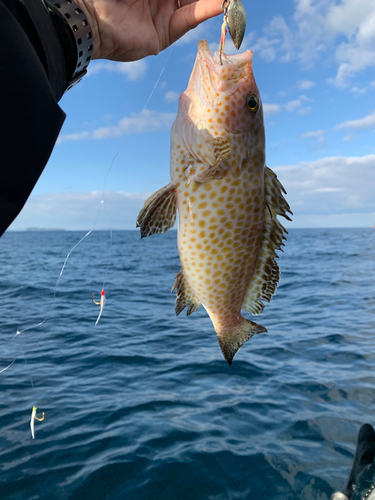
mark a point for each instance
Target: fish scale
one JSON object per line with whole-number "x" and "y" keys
{"x": 227, "y": 199}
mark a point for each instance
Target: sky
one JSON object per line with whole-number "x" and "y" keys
{"x": 314, "y": 63}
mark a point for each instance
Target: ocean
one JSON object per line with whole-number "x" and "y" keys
{"x": 143, "y": 406}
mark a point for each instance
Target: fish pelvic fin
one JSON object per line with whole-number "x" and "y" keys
{"x": 232, "y": 339}
{"x": 267, "y": 274}
{"x": 185, "y": 296}
{"x": 221, "y": 147}
{"x": 159, "y": 211}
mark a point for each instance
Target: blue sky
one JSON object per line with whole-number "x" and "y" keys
{"x": 314, "y": 63}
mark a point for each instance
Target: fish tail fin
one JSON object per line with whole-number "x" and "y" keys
{"x": 232, "y": 339}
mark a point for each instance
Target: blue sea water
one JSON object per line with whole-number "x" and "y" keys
{"x": 143, "y": 406}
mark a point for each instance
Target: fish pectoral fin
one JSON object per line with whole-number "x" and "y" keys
{"x": 232, "y": 339}
{"x": 266, "y": 277}
{"x": 185, "y": 297}
{"x": 221, "y": 148}
{"x": 159, "y": 211}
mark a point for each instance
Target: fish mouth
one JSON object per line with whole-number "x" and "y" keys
{"x": 224, "y": 71}
{"x": 205, "y": 52}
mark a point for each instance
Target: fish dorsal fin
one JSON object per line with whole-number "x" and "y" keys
{"x": 266, "y": 277}
{"x": 221, "y": 149}
{"x": 185, "y": 296}
{"x": 159, "y": 211}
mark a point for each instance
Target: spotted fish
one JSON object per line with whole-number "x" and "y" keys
{"x": 227, "y": 199}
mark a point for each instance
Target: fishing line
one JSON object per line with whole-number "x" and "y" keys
{"x": 101, "y": 205}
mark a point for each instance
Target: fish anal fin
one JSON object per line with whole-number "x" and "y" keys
{"x": 266, "y": 277}
{"x": 184, "y": 295}
{"x": 159, "y": 211}
{"x": 221, "y": 148}
{"x": 232, "y": 339}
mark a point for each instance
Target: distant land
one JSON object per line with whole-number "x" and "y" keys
{"x": 43, "y": 229}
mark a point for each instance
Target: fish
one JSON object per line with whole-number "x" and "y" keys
{"x": 226, "y": 197}
{"x": 361, "y": 482}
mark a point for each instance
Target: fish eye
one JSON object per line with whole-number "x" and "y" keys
{"x": 252, "y": 103}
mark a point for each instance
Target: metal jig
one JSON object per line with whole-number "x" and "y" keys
{"x": 235, "y": 21}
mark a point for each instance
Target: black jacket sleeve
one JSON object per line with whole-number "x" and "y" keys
{"x": 32, "y": 80}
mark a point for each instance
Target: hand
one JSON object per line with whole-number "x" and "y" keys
{"x": 127, "y": 30}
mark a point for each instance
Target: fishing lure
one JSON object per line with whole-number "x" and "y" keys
{"x": 235, "y": 21}
{"x": 101, "y": 303}
{"x": 33, "y": 418}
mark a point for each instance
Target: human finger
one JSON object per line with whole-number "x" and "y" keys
{"x": 190, "y": 14}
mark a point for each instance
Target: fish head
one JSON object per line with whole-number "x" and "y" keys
{"x": 222, "y": 98}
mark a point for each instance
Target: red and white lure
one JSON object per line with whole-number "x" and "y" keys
{"x": 32, "y": 421}
{"x": 101, "y": 303}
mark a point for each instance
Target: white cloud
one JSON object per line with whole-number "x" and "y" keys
{"x": 266, "y": 48}
{"x": 305, "y": 84}
{"x": 278, "y": 41}
{"x": 292, "y": 106}
{"x": 79, "y": 211}
{"x": 304, "y": 111}
{"x": 315, "y": 133}
{"x": 364, "y": 123}
{"x": 349, "y": 138}
{"x": 330, "y": 185}
{"x": 297, "y": 104}
{"x": 146, "y": 121}
{"x": 314, "y": 31}
{"x": 271, "y": 109}
{"x": 78, "y": 136}
{"x": 358, "y": 219}
{"x": 357, "y": 90}
{"x": 171, "y": 96}
{"x": 331, "y": 191}
{"x": 133, "y": 70}
{"x": 319, "y": 138}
